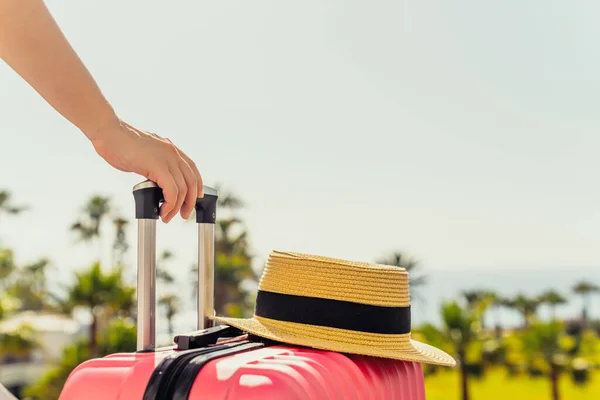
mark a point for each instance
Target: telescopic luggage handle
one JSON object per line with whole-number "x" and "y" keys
{"x": 148, "y": 196}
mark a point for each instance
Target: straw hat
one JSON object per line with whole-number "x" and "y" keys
{"x": 332, "y": 304}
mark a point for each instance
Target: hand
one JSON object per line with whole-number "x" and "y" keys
{"x": 132, "y": 150}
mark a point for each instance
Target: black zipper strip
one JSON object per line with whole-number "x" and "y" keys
{"x": 168, "y": 369}
{"x": 184, "y": 382}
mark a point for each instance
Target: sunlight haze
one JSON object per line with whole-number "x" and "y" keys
{"x": 464, "y": 135}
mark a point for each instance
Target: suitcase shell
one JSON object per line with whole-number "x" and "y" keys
{"x": 273, "y": 371}
{"x": 276, "y": 372}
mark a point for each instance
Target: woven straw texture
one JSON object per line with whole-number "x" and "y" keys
{"x": 331, "y": 278}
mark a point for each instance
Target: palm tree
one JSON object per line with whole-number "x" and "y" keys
{"x": 400, "y": 260}
{"x": 171, "y": 304}
{"x": 226, "y": 241}
{"x": 474, "y": 297}
{"x": 94, "y": 211}
{"x": 88, "y": 226}
{"x": 31, "y": 286}
{"x": 6, "y": 206}
{"x": 553, "y": 299}
{"x": 585, "y": 289}
{"x": 526, "y": 306}
{"x": 542, "y": 342}
{"x": 99, "y": 291}
{"x": 479, "y": 300}
{"x": 228, "y": 200}
{"x": 26, "y": 284}
{"x": 162, "y": 272}
{"x": 7, "y": 265}
{"x": 460, "y": 330}
{"x": 495, "y": 302}
{"x": 120, "y": 246}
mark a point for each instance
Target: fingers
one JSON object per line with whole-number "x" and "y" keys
{"x": 180, "y": 181}
{"x": 192, "y": 190}
{"x": 194, "y": 168}
{"x": 170, "y": 192}
{"x": 182, "y": 189}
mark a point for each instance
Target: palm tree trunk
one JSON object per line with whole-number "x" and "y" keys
{"x": 584, "y": 312}
{"x": 554, "y": 381}
{"x": 498, "y": 331}
{"x": 100, "y": 250}
{"x": 553, "y": 312}
{"x": 525, "y": 320}
{"x": 464, "y": 376}
{"x": 170, "y": 324}
{"x": 93, "y": 330}
{"x": 498, "y": 323}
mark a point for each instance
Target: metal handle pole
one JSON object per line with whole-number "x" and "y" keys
{"x": 206, "y": 278}
{"x": 206, "y": 214}
{"x": 147, "y": 197}
{"x": 146, "y": 285}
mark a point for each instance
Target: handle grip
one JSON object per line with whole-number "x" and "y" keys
{"x": 148, "y": 197}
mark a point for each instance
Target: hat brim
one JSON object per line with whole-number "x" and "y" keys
{"x": 399, "y": 347}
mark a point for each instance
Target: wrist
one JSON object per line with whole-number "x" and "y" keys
{"x": 101, "y": 128}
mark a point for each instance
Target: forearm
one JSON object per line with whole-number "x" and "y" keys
{"x": 33, "y": 45}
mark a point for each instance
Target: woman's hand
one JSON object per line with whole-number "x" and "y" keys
{"x": 132, "y": 150}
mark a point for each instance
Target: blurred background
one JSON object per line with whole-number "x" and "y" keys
{"x": 457, "y": 140}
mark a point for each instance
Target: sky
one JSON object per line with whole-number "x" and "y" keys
{"x": 462, "y": 133}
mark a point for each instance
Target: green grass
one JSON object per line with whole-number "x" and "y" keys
{"x": 496, "y": 385}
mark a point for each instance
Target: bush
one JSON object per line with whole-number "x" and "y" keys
{"x": 573, "y": 328}
{"x": 51, "y": 383}
{"x": 493, "y": 352}
{"x": 595, "y": 326}
{"x": 534, "y": 371}
{"x": 475, "y": 369}
{"x": 511, "y": 369}
{"x": 430, "y": 369}
{"x": 580, "y": 371}
{"x": 120, "y": 336}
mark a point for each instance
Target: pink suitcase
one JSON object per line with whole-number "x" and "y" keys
{"x": 221, "y": 362}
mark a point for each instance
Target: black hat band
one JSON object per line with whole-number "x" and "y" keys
{"x": 333, "y": 313}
